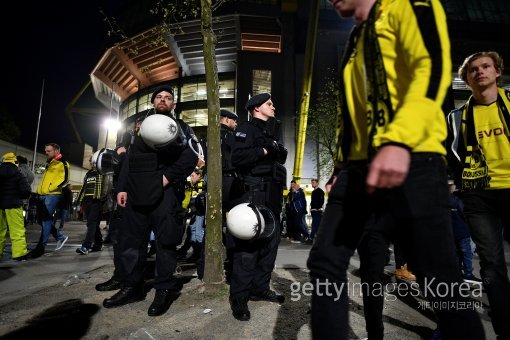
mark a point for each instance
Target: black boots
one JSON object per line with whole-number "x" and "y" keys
{"x": 38, "y": 251}
{"x": 111, "y": 284}
{"x": 124, "y": 296}
{"x": 268, "y": 295}
{"x": 163, "y": 298}
{"x": 239, "y": 306}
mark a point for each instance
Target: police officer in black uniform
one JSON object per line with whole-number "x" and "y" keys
{"x": 150, "y": 188}
{"x": 115, "y": 226}
{"x": 228, "y": 124}
{"x": 258, "y": 159}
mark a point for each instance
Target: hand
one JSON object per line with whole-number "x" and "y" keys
{"x": 122, "y": 199}
{"x": 272, "y": 150}
{"x": 165, "y": 181}
{"x": 331, "y": 182}
{"x": 389, "y": 168}
{"x": 121, "y": 150}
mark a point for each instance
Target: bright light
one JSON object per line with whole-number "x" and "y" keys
{"x": 112, "y": 124}
{"x": 223, "y": 90}
{"x": 201, "y": 92}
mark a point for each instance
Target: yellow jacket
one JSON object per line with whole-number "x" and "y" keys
{"x": 415, "y": 50}
{"x": 54, "y": 177}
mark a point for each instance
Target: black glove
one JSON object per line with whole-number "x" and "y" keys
{"x": 272, "y": 150}
{"x": 282, "y": 153}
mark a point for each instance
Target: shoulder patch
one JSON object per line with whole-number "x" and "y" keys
{"x": 240, "y": 135}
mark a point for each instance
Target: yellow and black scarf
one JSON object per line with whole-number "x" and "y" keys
{"x": 378, "y": 95}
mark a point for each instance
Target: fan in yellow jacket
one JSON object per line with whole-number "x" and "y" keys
{"x": 54, "y": 178}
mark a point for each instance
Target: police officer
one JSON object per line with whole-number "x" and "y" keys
{"x": 115, "y": 226}
{"x": 258, "y": 159}
{"x": 228, "y": 124}
{"x": 149, "y": 189}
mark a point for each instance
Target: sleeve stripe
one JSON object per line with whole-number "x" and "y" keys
{"x": 430, "y": 34}
{"x": 66, "y": 174}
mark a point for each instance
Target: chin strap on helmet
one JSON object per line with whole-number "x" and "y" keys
{"x": 199, "y": 151}
{"x": 259, "y": 222}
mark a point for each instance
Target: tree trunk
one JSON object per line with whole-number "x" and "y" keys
{"x": 213, "y": 245}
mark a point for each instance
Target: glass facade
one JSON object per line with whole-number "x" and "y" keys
{"x": 198, "y": 117}
{"x": 144, "y": 102}
{"x": 193, "y": 99}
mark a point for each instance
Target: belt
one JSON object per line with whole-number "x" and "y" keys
{"x": 316, "y": 209}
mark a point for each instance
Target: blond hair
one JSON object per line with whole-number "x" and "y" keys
{"x": 496, "y": 58}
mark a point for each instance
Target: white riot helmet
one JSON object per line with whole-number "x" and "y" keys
{"x": 249, "y": 221}
{"x": 93, "y": 159}
{"x": 106, "y": 161}
{"x": 159, "y": 131}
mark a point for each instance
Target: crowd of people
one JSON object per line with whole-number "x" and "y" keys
{"x": 389, "y": 186}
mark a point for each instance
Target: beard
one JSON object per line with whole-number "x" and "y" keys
{"x": 162, "y": 109}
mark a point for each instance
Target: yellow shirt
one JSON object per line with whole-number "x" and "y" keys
{"x": 493, "y": 140}
{"x": 416, "y": 55}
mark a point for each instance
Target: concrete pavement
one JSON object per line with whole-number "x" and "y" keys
{"x": 23, "y": 282}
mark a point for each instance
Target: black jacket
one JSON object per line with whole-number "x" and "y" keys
{"x": 142, "y": 171}
{"x": 317, "y": 198}
{"x": 251, "y": 138}
{"x": 227, "y": 142}
{"x": 13, "y": 186}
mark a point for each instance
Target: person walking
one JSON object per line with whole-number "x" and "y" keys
{"x": 14, "y": 188}
{"x": 479, "y": 157}
{"x": 395, "y": 74}
{"x": 54, "y": 178}
{"x": 92, "y": 196}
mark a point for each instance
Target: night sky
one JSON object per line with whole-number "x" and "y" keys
{"x": 61, "y": 44}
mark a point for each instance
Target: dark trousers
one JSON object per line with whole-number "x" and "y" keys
{"x": 486, "y": 213}
{"x": 420, "y": 210}
{"x": 162, "y": 217}
{"x": 227, "y": 204}
{"x": 465, "y": 254}
{"x": 316, "y": 220}
{"x": 115, "y": 229}
{"x": 253, "y": 264}
{"x": 399, "y": 252}
{"x": 254, "y": 260}
{"x": 300, "y": 223}
{"x": 93, "y": 209}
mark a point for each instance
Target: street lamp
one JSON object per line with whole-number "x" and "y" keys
{"x": 112, "y": 125}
